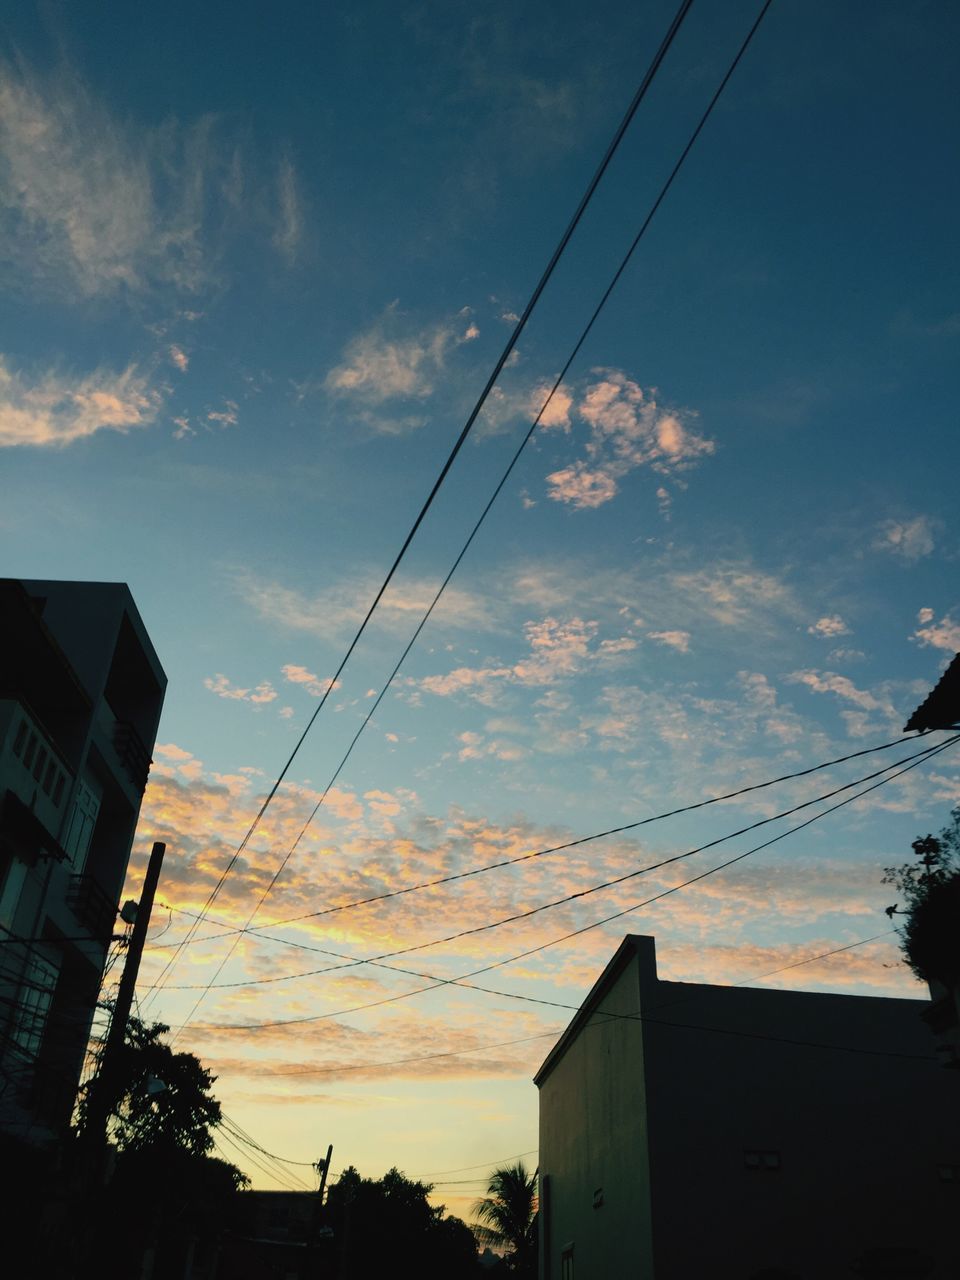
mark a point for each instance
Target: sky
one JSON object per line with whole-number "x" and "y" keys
{"x": 258, "y": 264}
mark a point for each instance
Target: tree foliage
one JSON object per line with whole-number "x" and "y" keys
{"x": 387, "y": 1225}
{"x": 507, "y": 1216}
{"x": 163, "y": 1098}
{"x": 167, "y": 1194}
{"x": 930, "y": 937}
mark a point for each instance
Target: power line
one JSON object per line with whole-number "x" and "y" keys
{"x": 543, "y": 1035}
{"x": 242, "y": 1135}
{"x": 474, "y": 414}
{"x": 571, "y": 897}
{"x": 286, "y": 1181}
{"x": 461, "y": 981}
{"x": 257, "y": 930}
{"x": 583, "y": 337}
{"x": 487, "y": 1164}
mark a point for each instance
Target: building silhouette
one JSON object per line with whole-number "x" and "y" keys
{"x": 81, "y": 690}
{"x": 691, "y": 1130}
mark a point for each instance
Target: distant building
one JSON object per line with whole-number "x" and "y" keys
{"x": 81, "y": 691}
{"x": 689, "y": 1130}
{"x": 280, "y": 1239}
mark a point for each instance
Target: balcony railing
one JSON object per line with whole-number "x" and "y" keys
{"x": 92, "y": 906}
{"x": 133, "y": 754}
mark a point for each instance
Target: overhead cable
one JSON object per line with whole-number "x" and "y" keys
{"x": 581, "y": 893}
{"x": 474, "y": 414}
{"x": 257, "y": 930}
{"x": 583, "y": 337}
{"x": 436, "y": 983}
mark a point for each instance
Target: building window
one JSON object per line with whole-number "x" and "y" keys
{"x": 86, "y": 807}
{"x": 566, "y": 1262}
{"x": 58, "y": 790}
{"x": 30, "y": 750}
{"x": 34, "y": 998}
{"x": 38, "y": 764}
{"x": 20, "y": 739}
{"x": 48, "y": 778}
{"x": 759, "y": 1159}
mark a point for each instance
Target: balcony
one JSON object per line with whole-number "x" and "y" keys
{"x": 92, "y": 906}
{"x": 133, "y": 755}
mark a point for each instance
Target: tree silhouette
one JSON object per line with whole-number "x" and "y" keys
{"x": 163, "y": 1098}
{"x": 507, "y": 1217}
{"x": 167, "y": 1195}
{"x": 930, "y": 937}
{"x": 385, "y": 1225}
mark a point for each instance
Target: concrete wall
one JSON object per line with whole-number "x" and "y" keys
{"x": 850, "y": 1143}
{"x": 745, "y": 1133}
{"x": 594, "y": 1188}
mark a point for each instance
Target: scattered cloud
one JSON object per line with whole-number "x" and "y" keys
{"x": 830, "y": 682}
{"x": 221, "y": 686}
{"x": 307, "y": 680}
{"x": 557, "y": 650}
{"x": 944, "y": 634}
{"x": 679, "y": 640}
{"x": 179, "y": 358}
{"x": 331, "y": 612}
{"x": 846, "y": 655}
{"x": 628, "y": 429}
{"x": 736, "y": 596}
{"x": 830, "y": 626}
{"x": 909, "y": 540}
{"x": 289, "y": 223}
{"x": 225, "y": 417}
{"x": 55, "y": 409}
{"x": 385, "y": 363}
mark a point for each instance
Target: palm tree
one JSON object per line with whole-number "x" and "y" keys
{"x": 507, "y": 1217}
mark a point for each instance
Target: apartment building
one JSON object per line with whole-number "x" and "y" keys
{"x": 81, "y": 690}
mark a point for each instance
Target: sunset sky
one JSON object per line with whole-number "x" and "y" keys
{"x": 259, "y": 262}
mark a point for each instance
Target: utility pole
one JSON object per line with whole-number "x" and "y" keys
{"x": 103, "y": 1086}
{"x": 324, "y": 1168}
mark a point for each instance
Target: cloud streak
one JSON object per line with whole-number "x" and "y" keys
{"x": 56, "y": 409}
{"x": 95, "y": 206}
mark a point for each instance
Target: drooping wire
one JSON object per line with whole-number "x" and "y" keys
{"x": 471, "y": 420}
{"x": 917, "y": 757}
{"x": 583, "y": 337}
{"x": 436, "y": 983}
{"x": 257, "y": 930}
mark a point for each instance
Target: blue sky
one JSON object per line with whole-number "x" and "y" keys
{"x": 258, "y": 266}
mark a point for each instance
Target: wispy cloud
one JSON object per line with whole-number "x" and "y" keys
{"x": 389, "y": 362}
{"x": 55, "y": 409}
{"x": 307, "y": 680}
{"x": 910, "y": 539}
{"x": 289, "y": 228}
{"x": 92, "y": 205}
{"x": 679, "y": 640}
{"x": 222, "y": 687}
{"x": 179, "y": 358}
{"x": 944, "y": 634}
{"x": 557, "y": 650}
{"x": 830, "y": 626}
{"x": 225, "y": 417}
{"x": 737, "y": 596}
{"x": 336, "y": 609}
{"x": 842, "y": 687}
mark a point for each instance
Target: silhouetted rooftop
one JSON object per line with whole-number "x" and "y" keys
{"x": 941, "y": 708}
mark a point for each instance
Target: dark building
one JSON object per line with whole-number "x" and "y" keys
{"x": 81, "y": 690}
{"x": 739, "y": 1133}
